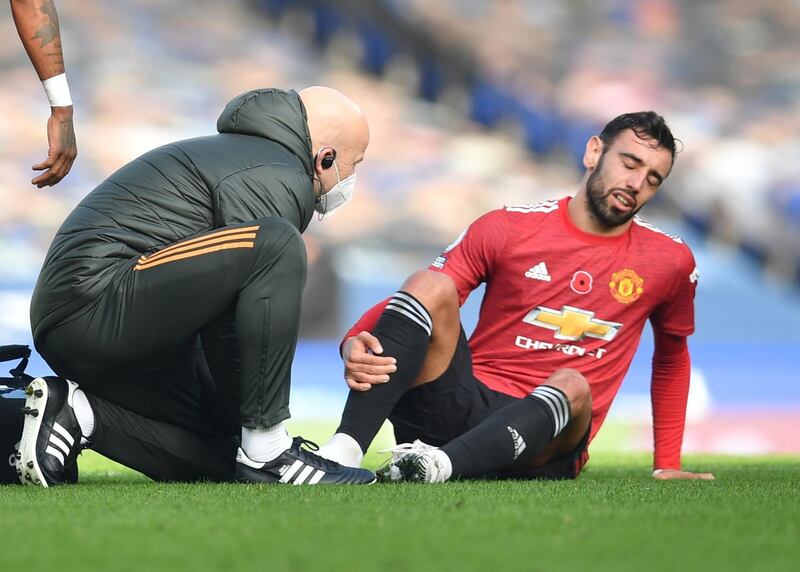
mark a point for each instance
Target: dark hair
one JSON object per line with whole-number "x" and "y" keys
{"x": 646, "y": 125}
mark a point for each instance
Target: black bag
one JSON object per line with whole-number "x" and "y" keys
{"x": 11, "y": 417}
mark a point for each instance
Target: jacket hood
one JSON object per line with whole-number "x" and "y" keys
{"x": 273, "y": 114}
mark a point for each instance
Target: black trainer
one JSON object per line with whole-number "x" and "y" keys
{"x": 300, "y": 466}
{"x": 51, "y": 436}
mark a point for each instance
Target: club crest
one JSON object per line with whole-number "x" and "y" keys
{"x": 626, "y": 286}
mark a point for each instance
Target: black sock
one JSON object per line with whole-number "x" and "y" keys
{"x": 404, "y": 330}
{"x": 511, "y": 435}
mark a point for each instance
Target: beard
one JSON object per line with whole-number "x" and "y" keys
{"x": 597, "y": 199}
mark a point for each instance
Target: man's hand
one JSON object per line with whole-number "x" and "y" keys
{"x": 668, "y": 474}
{"x": 63, "y": 150}
{"x": 363, "y": 366}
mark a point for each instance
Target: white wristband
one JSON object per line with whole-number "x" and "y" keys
{"x": 57, "y": 90}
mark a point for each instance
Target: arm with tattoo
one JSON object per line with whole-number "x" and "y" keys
{"x": 37, "y": 25}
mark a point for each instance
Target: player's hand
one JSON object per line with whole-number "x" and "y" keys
{"x": 668, "y": 474}
{"x": 363, "y": 364}
{"x": 62, "y": 150}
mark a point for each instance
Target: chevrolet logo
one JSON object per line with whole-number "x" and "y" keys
{"x": 572, "y": 323}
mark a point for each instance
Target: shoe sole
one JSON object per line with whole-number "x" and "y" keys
{"x": 37, "y": 394}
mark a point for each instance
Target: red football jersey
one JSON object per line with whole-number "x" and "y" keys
{"x": 559, "y": 297}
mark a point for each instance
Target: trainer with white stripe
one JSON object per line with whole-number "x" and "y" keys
{"x": 299, "y": 466}
{"x": 51, "y": 435}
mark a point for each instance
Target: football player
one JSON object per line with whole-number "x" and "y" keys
{"x": 570, "y": 284}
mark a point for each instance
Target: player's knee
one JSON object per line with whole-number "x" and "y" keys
{"x": 436, "y": 291}
{"x": 575, "y": 387}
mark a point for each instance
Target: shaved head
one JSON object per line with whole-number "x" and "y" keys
{"x": 335, "y": 123}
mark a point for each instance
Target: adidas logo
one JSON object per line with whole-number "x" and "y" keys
{"x": 519, "y": 442}
{"x": 298, "y": 473}
{"x": 539, "y": 272}
{"x": 59, "y": 447}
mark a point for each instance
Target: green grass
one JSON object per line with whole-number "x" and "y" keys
{"x": 614, "y": 517}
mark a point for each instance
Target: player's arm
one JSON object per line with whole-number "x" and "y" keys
{"x": 673, "y": 322}
{"x": 360, "y": 351}
{"x": 669, "y": 392}
{"x": 37, "y": 25}
{"x": 467, "y": 261}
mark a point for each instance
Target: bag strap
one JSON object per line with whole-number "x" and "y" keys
{"x": 19, "y": 378}
{"x": 15, "y": 351}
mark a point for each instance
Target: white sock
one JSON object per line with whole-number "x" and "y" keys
{"x": 264, "y": 444}
{"x": 83, "y": 412}
{"x": 343, "y": 449}
{"x": 445, "y": 466}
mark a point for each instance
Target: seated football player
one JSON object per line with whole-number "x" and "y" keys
{"x": 570, "y": 284}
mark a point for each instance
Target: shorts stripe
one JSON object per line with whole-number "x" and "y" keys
{"x": 182, "y": 256}
{"x": 203, "y": 239}
{"x": 185, "y": 248}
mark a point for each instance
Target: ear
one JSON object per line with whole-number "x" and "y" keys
{"x": 324, "y": 158}
{"x": 594, "y": 149}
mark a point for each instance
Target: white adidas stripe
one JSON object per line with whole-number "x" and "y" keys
{"x": 644, "y": 224}
{"x": 292, "y": 470}
{"x": 557, "y": 419}
{"x": 542, "y": 207}
{"x": 317, "y": 477}
{"x": 420, "y": 309}
{"x": 55, "y": 453}
{"x": 557, "y": 404}
{"x": 560, "y": 405}
{"x": 303, "y": 475}
{"x": 64, "y": 433}
{"x": 395, "y": 307}
{"x": 59, "y": 443}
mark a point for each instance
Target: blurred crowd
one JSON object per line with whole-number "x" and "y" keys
{"x": 723, "y": 72}
{"x": 144, "y": 73}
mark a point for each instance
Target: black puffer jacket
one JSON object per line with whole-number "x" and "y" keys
{"x": 259, "y": 165}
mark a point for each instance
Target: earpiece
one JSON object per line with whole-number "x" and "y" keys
{"x": 327, "y": 162}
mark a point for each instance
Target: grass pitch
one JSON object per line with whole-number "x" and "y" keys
{"x": 614, "y": 517}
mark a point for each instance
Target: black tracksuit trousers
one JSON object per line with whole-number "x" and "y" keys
{"x": 185, "y": 346}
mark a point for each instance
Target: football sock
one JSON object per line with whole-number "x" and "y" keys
{"x": 83, "y": 413}
{"x": 343, "y": 449}
{"x": 264, "y": 444}
{"x": 513, "y": 434}
{"x": 404, "y": 330}
{"x": 445, "y": 466}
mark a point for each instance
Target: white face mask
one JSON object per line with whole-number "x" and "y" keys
{"x": 339, "y": 195}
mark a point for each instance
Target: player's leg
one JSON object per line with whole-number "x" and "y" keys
{"x": 199, "y": 440}
{"x": 162, "y": 301}
{"x": 530, "y": 432}
{"x": 521, "y": 435}
{"x": 419, "y": 328}
{"x": 162, "y": 451}
{"x": 172, "y": 436}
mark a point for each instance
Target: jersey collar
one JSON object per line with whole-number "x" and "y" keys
{"x": 563, "y": 205}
